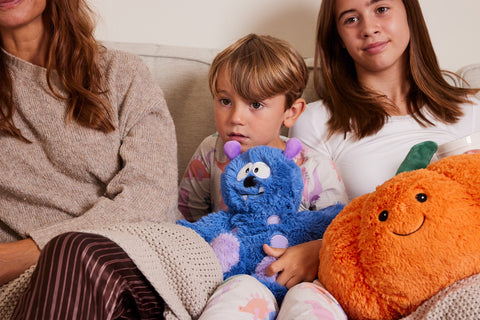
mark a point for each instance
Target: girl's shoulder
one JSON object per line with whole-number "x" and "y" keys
{"x": 316, "y": 109}
{"x": 313, "y": 121}
{"x": 473, "y": 107}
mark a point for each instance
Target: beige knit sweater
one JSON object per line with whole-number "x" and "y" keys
{"x": 71, "y": 177}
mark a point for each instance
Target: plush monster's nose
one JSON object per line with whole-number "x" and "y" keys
{"x": 249, "y": 182}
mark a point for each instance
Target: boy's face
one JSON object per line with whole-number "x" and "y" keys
{"x": 251, "y": 123}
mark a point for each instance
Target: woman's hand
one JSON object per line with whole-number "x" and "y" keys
{"x": 16, "y": 257}
{"x": 295, "y": 264}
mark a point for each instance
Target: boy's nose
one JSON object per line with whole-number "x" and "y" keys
{"x": 238, "y": 115}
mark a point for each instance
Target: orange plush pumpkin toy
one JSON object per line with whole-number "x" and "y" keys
{"x": 390, "y": 250}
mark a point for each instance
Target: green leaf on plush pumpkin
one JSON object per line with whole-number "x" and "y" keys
{"x": 418, "y": 157}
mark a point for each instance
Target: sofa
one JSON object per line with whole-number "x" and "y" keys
{"x": 182, "y": 73}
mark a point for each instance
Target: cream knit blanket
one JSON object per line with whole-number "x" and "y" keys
{"x": 180, "y": 265}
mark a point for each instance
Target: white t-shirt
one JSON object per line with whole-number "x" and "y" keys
{"x": 364, "y": 164}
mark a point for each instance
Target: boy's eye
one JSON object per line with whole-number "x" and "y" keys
{"x": 225, "y": 102}
{"x": 256, "y": 105}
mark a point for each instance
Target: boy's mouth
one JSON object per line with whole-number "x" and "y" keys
{"x": 237, "y": 137}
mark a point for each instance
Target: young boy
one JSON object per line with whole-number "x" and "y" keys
{"x": 257, "y": 84}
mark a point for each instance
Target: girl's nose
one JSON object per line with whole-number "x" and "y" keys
{"x": 370, "y": 27}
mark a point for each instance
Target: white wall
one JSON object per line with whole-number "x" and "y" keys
{"x": 454, "y": 25}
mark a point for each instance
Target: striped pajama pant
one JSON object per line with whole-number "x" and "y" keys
{"x": 87, "y": 276}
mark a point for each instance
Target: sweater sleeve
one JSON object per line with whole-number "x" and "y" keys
{"x": 145, "y": 186}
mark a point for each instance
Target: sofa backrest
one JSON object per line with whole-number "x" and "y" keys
{"x": 182, "y": 73}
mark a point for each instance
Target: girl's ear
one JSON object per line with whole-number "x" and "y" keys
{"x": 292, "y": 114}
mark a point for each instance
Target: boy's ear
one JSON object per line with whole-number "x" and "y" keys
{"x": 292, "y": 114}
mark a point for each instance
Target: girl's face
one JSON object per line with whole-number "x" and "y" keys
{"x": 374, "y": 32}
{"x": 251, "y": 123}
{"x": 18, "y": 14}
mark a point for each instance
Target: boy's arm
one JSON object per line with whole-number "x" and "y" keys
{"x": 194, "y": 195}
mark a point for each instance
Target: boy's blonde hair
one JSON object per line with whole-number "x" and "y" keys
{"x": 260, "y": 67}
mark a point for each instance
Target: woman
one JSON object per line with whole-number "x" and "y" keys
{"x": 86, "y": 141}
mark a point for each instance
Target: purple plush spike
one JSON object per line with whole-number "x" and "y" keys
{"x": 232, "y": 149}
{"x": 292, "y": 148}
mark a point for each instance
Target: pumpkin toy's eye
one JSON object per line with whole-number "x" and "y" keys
{"x": 383, "y": 216}
{"x": 421, "y": 197}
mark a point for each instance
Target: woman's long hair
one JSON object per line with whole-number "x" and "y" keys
{"x": 356, "y": 109}
{"x": 73, "y": 54}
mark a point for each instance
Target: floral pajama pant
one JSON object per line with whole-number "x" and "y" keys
{"x": 243, "y": 297}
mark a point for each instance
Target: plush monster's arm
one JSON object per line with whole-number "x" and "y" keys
{"x": 314, "y": 223}
{"x": 216, "y": 229}
{"x": 210, "y": 225}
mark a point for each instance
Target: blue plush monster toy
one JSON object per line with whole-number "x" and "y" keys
{"x": 263, "y": 189}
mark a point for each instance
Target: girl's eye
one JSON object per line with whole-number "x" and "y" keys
{"x": 225, "y": 102}
{"x": 351, "y": 20}
{"x": 256, "y": 105}
{"x": 382, "y": 9}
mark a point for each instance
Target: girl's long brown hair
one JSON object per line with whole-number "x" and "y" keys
{"x": 363, "y": 112}
{"x": 74, "y": 55}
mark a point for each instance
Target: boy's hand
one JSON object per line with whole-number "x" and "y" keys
{"x": 295, "y": 264}
{"x": 16, "y": 257}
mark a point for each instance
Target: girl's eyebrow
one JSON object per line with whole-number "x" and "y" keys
{"x": 353, "y": 10}
{"x": 344, "y": 13}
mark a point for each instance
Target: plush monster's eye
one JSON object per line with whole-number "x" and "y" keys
{"x": 421, "y": 197}
{"x": 383, "y": 216}
{"x": 243, "y": 173}
{"x": 261, "y": 170}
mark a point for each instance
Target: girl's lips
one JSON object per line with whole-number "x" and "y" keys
{"x": 7, "y": 4}
{"x": 375, "y": 47}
